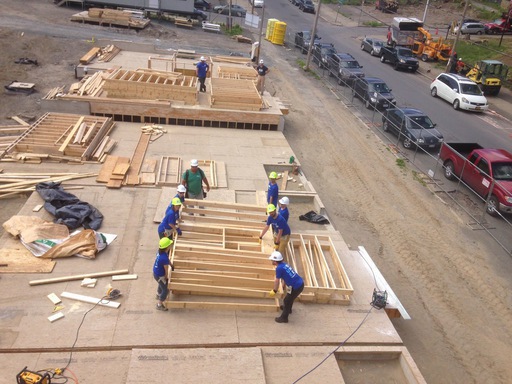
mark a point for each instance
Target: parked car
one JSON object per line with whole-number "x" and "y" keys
{"x": 199, "y": 15}
{"x": 412, "y": 127}
{"x": 459, "y": 91}
{"x": 302, "y": 40}
{"x": 202, "y": 5}
{"x": 346, "y": 68}
{"x": 236, "y": 10}
{"x": 306, "y": 6}
{"x": 372, "y": 45}
{"x": 257, "y": 3}
{"x": 323, "y": 53}
{"x": 373, "y": 92}
{"x": 471, "y": 29}
{"x": 400, "y": 58}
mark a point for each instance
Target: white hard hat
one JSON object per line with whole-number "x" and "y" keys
{"x": 276, "y": 256}
{"x": 181, "y": 188}
{"x": 203, "y": 58}
{"x": 261, "y": 61}
{"x": 284, "y": 201}
{"x": 194, "y": 163}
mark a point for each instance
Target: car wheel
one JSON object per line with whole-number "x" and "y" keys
{"x": 385, "y": 126}
{"x": 433, "y": 92}
{"x": 449, "y": 170}
{"x": 304, "y": 51}
{"x": 395, "y": 67}
{"x": 219, "y": 11}
{"x": 493, "y": 206}
{"x": 239, "y": 14}
{"x": 424, "y": 58}
{"x": 382, "y": 59}
{"x": 407, "y": 143}
{"x": 367, "y": 104}
{"x": 372, "y": 52}
{"x": 479, "y": 33}
{"x": 362, "y": 47}
{"x": 456, "y": 104}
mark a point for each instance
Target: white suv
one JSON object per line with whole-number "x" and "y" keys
{"x": 461, "y": 92}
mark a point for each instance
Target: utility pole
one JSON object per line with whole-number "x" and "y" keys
{"x": 230, "y": 19}
{"x": 425, "y": 13}
{"x": 448, "y": 66}
{"x": 313, "y": 34}
{"x": 261, "y": 32}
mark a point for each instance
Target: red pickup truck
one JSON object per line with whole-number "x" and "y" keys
{"x": 484, "y": 170}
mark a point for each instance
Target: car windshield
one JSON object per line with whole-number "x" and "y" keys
{"x": 421, "y": 122}
{"x": 378, "y": 87}
{"x": 328, "y": 51}
{"x": 350, "y": 64}
{"x": 378, "y": 43}
{"x": 308, "y": 2}
{"x": 470, "y": 89}
{"x": 502, "y": 171}
{"x": 405, "y": 52}
{"x": 306, "y": 35}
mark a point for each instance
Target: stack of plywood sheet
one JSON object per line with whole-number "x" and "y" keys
{"x": 237, "y": 72}
{"x": 235, "y": 94}
{"x": 66, "y": 136}
{"x": 219, "y": 255}
{"x": 150, "y": 85}
{"x": 110, "y": 17}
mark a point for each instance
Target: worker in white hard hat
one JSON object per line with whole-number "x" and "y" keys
{"x": 202, "y": 71}
{"x": 262, "y": 72}
{"x": 283, "y": 207}
{"x": 292, "y": 283}
{"x": 193, "y": 180}
{"x": 180, "y": 194}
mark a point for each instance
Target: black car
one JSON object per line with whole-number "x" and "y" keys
{"x": 413, "y": 128}
{"x": 323, "y": 53}
{"x": 236, "y": 10}
{"x": 302, "y": 40}
{"x": 306, "y": 6}
{"x": 346, "y": 68}
{"x": 374, "y": 92}
{"x": 203, "y": 5}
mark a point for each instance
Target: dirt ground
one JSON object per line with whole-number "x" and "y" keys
{"x": 451, "y": 280}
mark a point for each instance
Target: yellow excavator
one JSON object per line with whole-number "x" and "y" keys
{"x": 428, "y": 49}
{"x": 489, "y": 75}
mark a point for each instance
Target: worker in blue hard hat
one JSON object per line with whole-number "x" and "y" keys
{"x": 161, "y": 271}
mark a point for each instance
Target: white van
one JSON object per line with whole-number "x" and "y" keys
{"x": 257, "y": 3}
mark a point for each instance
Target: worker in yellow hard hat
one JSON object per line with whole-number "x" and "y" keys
{"x": 169, "y": 224}
{"x": 161, "y": 271}
{"x": 273, "y": 189}
{"x": 282, "y": 229}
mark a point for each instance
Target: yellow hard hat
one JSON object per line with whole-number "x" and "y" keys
{"x": 273, "y": 175}
{"x": 176, "y": 201}
{"x": 271, "y": 208}
{"x": 164, "y": 242}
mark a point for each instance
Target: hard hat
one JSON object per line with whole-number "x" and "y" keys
{"x": 271, "y": 208}
{"x": 194, "y": 163}
{"x": 276, "y": 256}
{"x": 284, "y": 201}
{"x": 181, "y": 188}
{"x": 272, "y": 175}
{"x": 261, "y": 61}
{"x": 203, "y": 58}
{"x": 164, "y": 242}
{"x": 176, "y": 201}
{"x": 460, "y": 59}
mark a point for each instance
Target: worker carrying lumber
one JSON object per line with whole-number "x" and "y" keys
{"x": 262, "y": 72}
{"x": 202, "y": 71}
{"x": 273, "y": 189}
{"x": 282, "y": 229}
{"x": 292, "y": 283}
{"x": 169, "y": 225}
{"x": 180, "y": 194}
{"x": 161, "y": 271}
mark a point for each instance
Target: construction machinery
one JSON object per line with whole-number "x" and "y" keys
{"x": 489, "y": 75}
{"x": 29, "y": 377}
{"x": 428, "y": 49}
{"x": 387, "y": 6}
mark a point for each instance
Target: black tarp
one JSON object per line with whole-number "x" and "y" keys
{"x": 313, "y": 217}
{"x": 68, "y": 209}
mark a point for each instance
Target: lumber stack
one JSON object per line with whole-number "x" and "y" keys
{"x": 235, "y": 94}
{"x": 108, "y": 53}
{"x": 105, "y": 16}
{"x": 219, "y": 255}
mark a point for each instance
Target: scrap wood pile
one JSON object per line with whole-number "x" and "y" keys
{"x": 107, "y": 16}
{"x": 91, "y": 85}
{"x": 103, "y": 54}
{"x": 219, "y": 255}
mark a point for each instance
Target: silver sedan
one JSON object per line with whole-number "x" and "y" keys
{"x": 372, "y": 45}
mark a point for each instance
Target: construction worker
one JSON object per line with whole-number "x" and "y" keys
{"x": 169, "y": 224}
{"x": 161, "y": 271}
{"x": 460, "y": 67}
{"x": 283, "y": 208}
{"x": 292, "y": 283}
{"x": 262, "y": 72}
{"x": 193, "y": 180}
{"x": 201, "y": 71}
{"x": 180, "y": 194}
{"x": 273, "y": 189}
{"x": 282, "y": 229}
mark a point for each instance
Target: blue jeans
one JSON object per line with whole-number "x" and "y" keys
{"x": 162, "y": 287}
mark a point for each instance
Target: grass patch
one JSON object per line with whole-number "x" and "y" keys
{"x": 472, "y": 53}
{"x": 373, "y": 24}
{"x": 301, "y": 63}
{"x": 486, "y": 14}
{"x": 416, "y": 176}
{"x": 235, "y": 29}
{"x": 401, "y": 163}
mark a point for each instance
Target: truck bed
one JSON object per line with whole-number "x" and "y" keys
{"x": 462, "y": 149}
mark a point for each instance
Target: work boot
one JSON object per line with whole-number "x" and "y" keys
{"x": 161, "y": 307}
{"x": 281, "y": 307}
{"x": 280, "y": 320}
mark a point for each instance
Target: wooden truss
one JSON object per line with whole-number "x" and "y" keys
{"x": 235, "y": 94}
{"x": 232, "y": 72}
